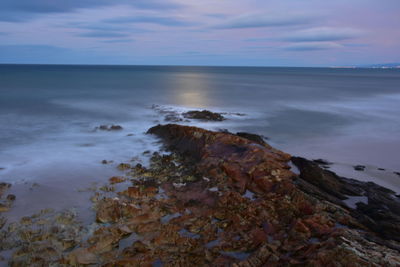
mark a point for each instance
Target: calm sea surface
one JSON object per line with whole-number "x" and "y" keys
{"x": 48, "y": 113}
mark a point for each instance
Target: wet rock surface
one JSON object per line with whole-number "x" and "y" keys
{"x": 5, "y": 202}
{"x": 380, "y": 212}
{"x": 312, "y": 229}
{"x": 205, "y": 115}
{"x": 109, "y": 128}
{"x": 359, "y": 168}
{"x": 215, "y": 199}
{"x": 252, "y": 137}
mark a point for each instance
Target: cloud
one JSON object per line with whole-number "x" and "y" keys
{"x": 259, "y": 39}
{"x": 216, "y": 15}
{"x": 115, "y": 41}
{"x": 357, "y": 45}
{"x": 165, "y": 21}
{"x": 103, "y": 34}
{"x": 22, "y": 10}
{"x": 105, "y": 27}
{"x": 47, "y": 54}
{"x": 98, "y": 26}
{"x": 264, "y": 20}
{"x": 312, "y": 46}
{"x": 13, "y": 53}
{"x": 323, "y": 34}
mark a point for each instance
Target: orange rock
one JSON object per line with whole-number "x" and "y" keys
{"x": 117, "y": 179}
{"x": 82, "y": 256}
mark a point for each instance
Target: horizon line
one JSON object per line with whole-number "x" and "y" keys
{"x": 365, "y": 66}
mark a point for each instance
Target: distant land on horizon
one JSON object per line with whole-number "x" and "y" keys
{"x": 383, "y": 66}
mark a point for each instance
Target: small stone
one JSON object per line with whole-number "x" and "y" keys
{"x": 124, "y": 166}
{"x": 117, "y": 180}
{"x": 104, "y": 161}
{"x": 2, "y": 222}
{"x": 4, "y": 186}
{"x": 82, "y": 256}
{"x": 115, "y": 128}
{"x": 11, "y": 197}
{"x": 106, "y": 188}
{"x": 359, "y": 168}
{"x": 103, "y": 127}
{"x": 4, "y": 208}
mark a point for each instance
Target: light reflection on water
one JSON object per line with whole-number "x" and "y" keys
{"x": 191, "y": 90}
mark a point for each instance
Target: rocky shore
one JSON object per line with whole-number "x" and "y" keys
{"x": 216, "y": 199}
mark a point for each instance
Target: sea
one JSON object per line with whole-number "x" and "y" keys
{"x": 51, "y": 148}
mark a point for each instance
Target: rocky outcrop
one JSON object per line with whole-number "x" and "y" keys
{"x": 314, "y": 224}
{"x": 203, "y": 115}
{"x": 380, "y": 211}
{"x": 217, "y": 199}
{"x": 252, "y": 137}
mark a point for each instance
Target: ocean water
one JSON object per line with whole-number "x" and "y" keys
{"x": 48, "y": 115}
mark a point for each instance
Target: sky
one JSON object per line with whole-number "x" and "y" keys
{"x": 206, "y": 32}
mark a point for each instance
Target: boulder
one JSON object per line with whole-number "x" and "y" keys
{"x": 203, "y": 115}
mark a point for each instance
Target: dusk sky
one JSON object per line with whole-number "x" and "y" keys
{"x": 207, "y": 32}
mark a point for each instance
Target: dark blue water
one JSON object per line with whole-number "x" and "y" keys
{"x": 48, "y": 113}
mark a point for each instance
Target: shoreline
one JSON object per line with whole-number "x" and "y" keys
{"x": 182, "y": 186}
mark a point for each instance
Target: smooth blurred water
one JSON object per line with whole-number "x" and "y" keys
{"x": 48, "y": 113}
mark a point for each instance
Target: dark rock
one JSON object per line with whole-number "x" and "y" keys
{"x": 253, "y": 137}
{"x": 104, "y": 161}
{"x": 382, "y": 212}
{"x": 359, "y": 168}
{"x": 115, "y": 128}
{"x": 111, "y": 128}
{"x": 3, "y": 188}
{"x": 322, "y": 162}
{"x": 203, "y": 115}
{"x": 2, "y": 222}
{"x": 324, "y": 180}
{"x": 173, "y": 117}
{"x": 124, "y": 166}
{"x": 4, "y": 207}
{"x": 117, "y": 180}
{"x": 11, "y": 197}
{"x": 381, "y": 169}
{"x": 398, "y": 173}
